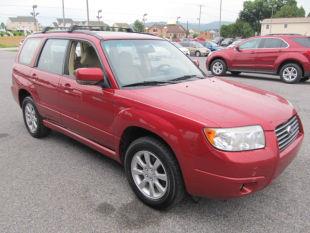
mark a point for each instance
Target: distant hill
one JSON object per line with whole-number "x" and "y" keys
{"x": 195, "y": 26}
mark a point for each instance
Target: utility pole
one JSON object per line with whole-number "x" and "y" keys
{"x": 63, "y": 13}
{"x": 35, "y": 14}
{"x": 220, "y": 25}
{"x": 144, "y": 19}
{"x": 87, "y": 9}
{"x": 187, "y": 32}
{"x": 272, "y": 9}
{"x": 98, "y": 15}
{"x": 199, "y": 19}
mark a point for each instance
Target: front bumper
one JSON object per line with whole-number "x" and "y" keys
{"x": 225, "y": 175}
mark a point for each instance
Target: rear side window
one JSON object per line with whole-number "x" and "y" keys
{"x": 29, "y": 49}
{"x": 52, "y": 57}
{"x": 250, "y": 44}
{"x": 305, "y": 42}
{"x": 273, "y": 43}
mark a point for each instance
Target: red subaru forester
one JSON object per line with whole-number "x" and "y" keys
{"x": 284, "y": 55}
{"x": 138, "y": 99}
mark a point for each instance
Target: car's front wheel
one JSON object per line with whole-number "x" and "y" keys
{"x": 32, "y": 119}
{"x": 218, "y": 67}
{"x": 291, "y": 73}
{"x": 153, "y": 173}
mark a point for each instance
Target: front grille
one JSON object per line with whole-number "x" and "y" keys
{"x": 287, "y": 132}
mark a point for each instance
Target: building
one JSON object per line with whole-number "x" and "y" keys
{"x": 22, "y": 23}
{"x": 60, "y": 22}
{"x": 169, "y": 31}
{"x": 299, "y": 25}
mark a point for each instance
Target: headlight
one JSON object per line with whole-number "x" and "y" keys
{"x": 236, "y": 139}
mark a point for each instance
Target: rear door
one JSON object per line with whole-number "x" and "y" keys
{"x": 244, "y": 56}
{"x": 46, "y": 76}
{"x": 268, "y": 52}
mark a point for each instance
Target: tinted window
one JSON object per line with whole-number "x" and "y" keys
{"x": 251, "y": 44}
{"x": 303, "y": 41}
{"x": 53, "y": 56}
{"x": 29, "y": 49}
{"x": 273, "y": 43}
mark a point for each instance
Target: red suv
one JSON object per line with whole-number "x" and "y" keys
{"x": 284, "y": 55}
{"x": 139, "y": 100}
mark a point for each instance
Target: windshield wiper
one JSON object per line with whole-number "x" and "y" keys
{"x": 148, "y": 83}
{"x": 184, "y": 77}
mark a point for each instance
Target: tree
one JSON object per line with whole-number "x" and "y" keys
{"x": 290, "y": 11}
{"x": 238, "y": 29}
{"x": 138, "y": 26}
{"x": 255, "y": 11}
{"x": 309, "y": 14}
{"x": 2, "y": 26}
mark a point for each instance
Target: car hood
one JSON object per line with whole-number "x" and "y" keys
{"x": 216, "y": 103}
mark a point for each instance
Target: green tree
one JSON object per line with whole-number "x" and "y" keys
{"x": 238, "y": 29}
{"x": 309, "y": 14}
{"x": 255, "y": 11}
{"x": 138, "y": 26}
{"x": 2, "y": 26}
{"x": 290, "y": 11}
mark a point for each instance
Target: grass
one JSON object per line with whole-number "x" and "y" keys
{"x": 7, "y": 46}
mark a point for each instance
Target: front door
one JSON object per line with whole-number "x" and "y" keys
{"x": 244, "y": 55}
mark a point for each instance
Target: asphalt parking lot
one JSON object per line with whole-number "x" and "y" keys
{"x": 56, "y": 184}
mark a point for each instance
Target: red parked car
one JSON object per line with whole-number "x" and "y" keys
{"x": 139, "y": 100}
{"x": 284, "y": 55}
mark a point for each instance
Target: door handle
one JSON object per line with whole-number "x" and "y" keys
{"x": 34, "y": 76}
{"x": 67, "y": 88}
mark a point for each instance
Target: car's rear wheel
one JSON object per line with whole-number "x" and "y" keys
{"x": 32, "y": 119}
{"x": 291, "y": 73}
{"x": 218, "y": 67}
{"x": 197, "y": 53}
{"x": 153, "y": 173}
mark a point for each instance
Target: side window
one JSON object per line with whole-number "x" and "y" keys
{"x": 273, "y": 43}
{"x": 53, "y": 56}
{"x": 82, "y": 55}
{"x": 251, "y": 44}
{"x": 29, "y": 49}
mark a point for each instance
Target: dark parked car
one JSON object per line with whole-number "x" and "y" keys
{"x": 227, "y": 42}
{"x": 284, "y": 55}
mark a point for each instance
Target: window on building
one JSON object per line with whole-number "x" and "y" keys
{"x": 267, "y": 26}
{"x": 285, "y": 25}
{"x": 29, "y": 49}
{"x": 53, "y": 56}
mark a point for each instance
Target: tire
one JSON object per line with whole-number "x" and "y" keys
{"x": 146, "y": 176}
{"x": 304, "y": 79}
{"x": 197, "y": 53}
{"x": 235, "y": 73}
{"x": 218, "y": 67}
{"x": 291, "y": 73}
{"x": 32, "y": 119}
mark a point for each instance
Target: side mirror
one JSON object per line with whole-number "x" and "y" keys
{"x": 88, "y": 76}
{"x": 237, "y": 48}
{"x": 196, "y": 62}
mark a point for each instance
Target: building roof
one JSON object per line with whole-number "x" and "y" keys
{"x": 22, "y": 19}
{"x": 67, "y": 20}
{"x": 121, "y": 25}
{"x": 287, "y": 20}
{"x": 175, "y": 28}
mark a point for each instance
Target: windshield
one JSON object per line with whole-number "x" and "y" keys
{"x": 198, "y": 45}
{"x": 141, "y": 61}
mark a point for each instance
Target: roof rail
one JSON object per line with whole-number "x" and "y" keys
{"x": 283, "y": 34}
{"x": 89, "y": 28}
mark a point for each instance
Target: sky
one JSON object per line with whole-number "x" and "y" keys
{"x": 128, "y": 10}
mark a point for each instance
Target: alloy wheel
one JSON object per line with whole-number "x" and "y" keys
{"x": 217, "y": 68}
{"x": 149, "y": 174}
{"x": 290, "y": 74}
{"x": 31, "y": 118}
